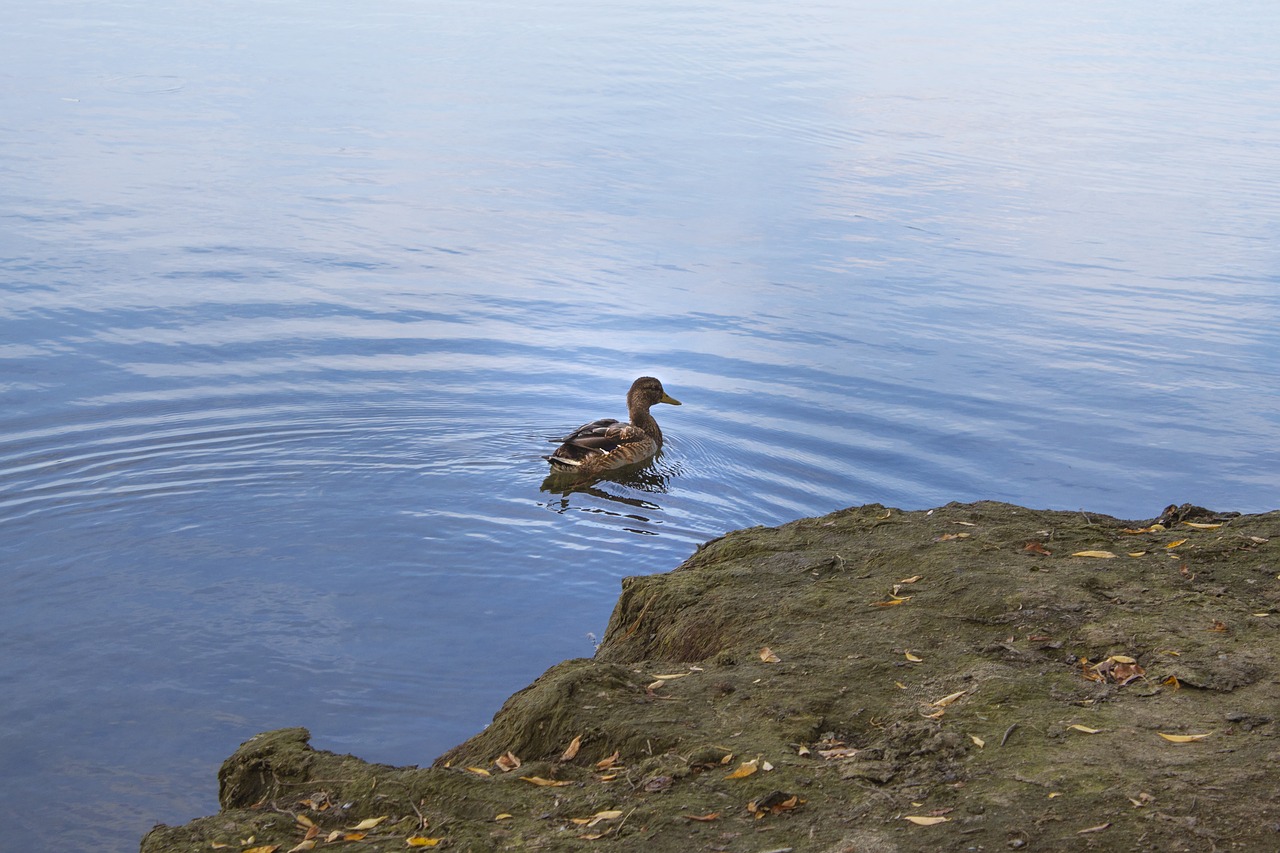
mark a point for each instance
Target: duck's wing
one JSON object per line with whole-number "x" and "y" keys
{"x": 622, "y": 442}
{"x": 588, "y": 431}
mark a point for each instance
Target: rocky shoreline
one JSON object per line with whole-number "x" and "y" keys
{"x": 974, "y": 677}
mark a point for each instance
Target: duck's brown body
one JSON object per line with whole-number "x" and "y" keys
{"x": 608, "y": 443}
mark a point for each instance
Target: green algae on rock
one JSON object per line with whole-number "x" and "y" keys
{"x": 934, "y": 665}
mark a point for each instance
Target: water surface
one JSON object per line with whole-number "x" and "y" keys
{"x": 292, "y": 296}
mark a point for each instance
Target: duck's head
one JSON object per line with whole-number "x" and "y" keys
{"x": 647, "y": 391}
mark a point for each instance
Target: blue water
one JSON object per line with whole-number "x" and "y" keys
{"x": 292, "y": 296}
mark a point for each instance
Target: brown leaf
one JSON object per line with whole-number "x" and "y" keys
{"x": 767, "y": 655}
{"x": 894, "y": 603}
{"x": 422, "y": 841}
{"x": 703, "y": 818}
{"x": 607, "y": 763}
{"x": 1037, "y": 548}
{"x": 571, "y": 751}
{"x": 508, "y": 762}
{"x": 546, "y": 783}
{"x": 1097, "y": 828}
{"x": 369, "y": 822}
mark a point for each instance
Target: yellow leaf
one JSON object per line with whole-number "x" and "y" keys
{"x": 1053, "y": 794}
{"x": 545, "y": 783}
{"x": 745, "y": 769}
{"x": 303, "y": 846}
{"x": 1123, "y": 659}
{"x": 352, "y": 836}
{"x": 655, "y": 685}
{"x": 369, "y": 823}
{"x": 305, "y": 821}
{"x": 981, "y": 744}
{"x": 1183, "y": 738}
{"x": 894, "y": 603}
{"x": 422, "y": 841}
{"x": 1137, "y": 553}
{"x": 1176, "y": 544}
{"x": 503, "y": 816}
{"x": 1197, "y": 526}
{"x": 264, "y": 848}
{"x": 1101, "y": 555}
{"x": 1084, "y": 729}
{"x": 900, "y": 685}
{"x": 913, "y": 658}
{"x": 1173, "y": 682}
{"x": 571, "y": 751}
{"x": 333, "y": 836}
{"x": 911, "y": 579}
{"x": 767, "y": 655}
{"x": 919, "y": 820}
{"x": 479, "y": 771}
{"x": 947, "y": 700}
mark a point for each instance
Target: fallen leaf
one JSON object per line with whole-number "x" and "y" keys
{"x": 703, "y": 818}
{"x": 1123, "y": 659}
{"x": 606, "y": 763}
{"x": 672, "y": 677}
{"x": 333, "y": 836}
{"x": 422, "y": 841}
{"x": 911, "y": 579}
{"x": 900, "y": 685}
{"x": 545, "y": 783}
{"x": 913, "y": 658}
{"x": 351, "y": 836}
{"x": 1198, "y": 526}
{"x": 1176, "y": 544}
{"x": 503, "y": 816}
{"x": 979, "y": 742}
{"x": 838, "y": 752}
{"x": 611, "y": 814}
{"x": 655, "y": 685}
{"x": 479, "y": 771}
{"x": 264, "y": 848}
{"x": 745, "y": 769}
{"x": 1084, "y": 729}
{"x": 947, "y": 700}
{"x": 301, "y": 846}
{"x": 894, "y": 603}
{"x": 1183, "y": 738}
{"x": 947, "y": 537}
{"x": 1101, "y": 555}
{"x": 1037, "y": 548}
{"x": 571, "y": 751}
{"x": 1173, "y": 682}
{"x": 369, "y": 823}
{"x": 767, "y": 655}
{"x": 1097, "y": 828}
{"x": 920, "y": 820}
{"x": 1137, "y": 553}
{"x": 1220, "y": 627}
{"x": 802, "y": 750}
{"x": 508, "y": 762}
{"x": 1054, "y": 794}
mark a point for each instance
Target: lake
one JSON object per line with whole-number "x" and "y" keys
{"x": 293, "y": 296}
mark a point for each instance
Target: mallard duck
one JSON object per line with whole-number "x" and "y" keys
{"x": 608, "y": 443}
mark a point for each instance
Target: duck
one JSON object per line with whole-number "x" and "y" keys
{"x": 608, "y": 443}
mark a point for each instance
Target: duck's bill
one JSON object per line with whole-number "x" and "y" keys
{"x": 667, "y": 398}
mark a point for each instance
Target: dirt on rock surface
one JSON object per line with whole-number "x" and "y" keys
{"x": 975, "y": 677}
